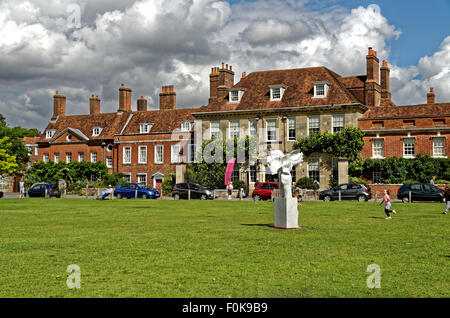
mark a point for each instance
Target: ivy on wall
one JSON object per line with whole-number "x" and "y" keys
{"x": 346, "y": 143}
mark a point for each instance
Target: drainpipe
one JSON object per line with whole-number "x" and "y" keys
{"x": 284, "y": 119}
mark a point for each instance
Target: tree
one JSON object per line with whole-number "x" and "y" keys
{"x": 15, "y": 135}
{"x": 346, "y": 143}
{"x": 8, "y": 162}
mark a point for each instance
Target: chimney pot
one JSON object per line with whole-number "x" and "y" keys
{"x": 223, "y": 65}
{"x": 231, "y": 68}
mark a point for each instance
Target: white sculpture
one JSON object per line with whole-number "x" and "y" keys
{"x": 282, "y": 164}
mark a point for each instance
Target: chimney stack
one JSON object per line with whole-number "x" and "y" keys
{"x": 385, "y": 81}
{"x": 220, "y": 80}
{"x": 142, "y": 104}
{"x": 167, "y": 98}
{"x": 94, "y": 105}
{"x": 59, "y": 106}
{"x": 372, "y": 85}
{"x": 431, "y": 97}
{"x": 124, "y": 99}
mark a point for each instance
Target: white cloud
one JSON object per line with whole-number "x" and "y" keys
{"x": 149, "y": 43}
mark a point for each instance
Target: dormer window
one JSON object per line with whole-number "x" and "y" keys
{"x": 96, "y": 131}
{"x": 276, "y": 92}
{"x": 50, "y": 133}
{"x": 187, "y": 126}
{"x": 321, "y": 89}
{"x": 144, "y": 128}
{"x": 236, "y": 94}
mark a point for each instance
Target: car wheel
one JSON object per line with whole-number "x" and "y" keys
{"x": 405, "y": 200}
{"x": 203, "y": 197}
{"x": 362, "y": 198}
{"x": 176, "y": 197}
{"x": 257, "y": 197}
{"x": 144, "y": 196}
{"x": 327, "y": 198}
{"x": 119, "y": 196}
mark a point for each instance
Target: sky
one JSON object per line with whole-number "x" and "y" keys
{"x": 85, "y": 47}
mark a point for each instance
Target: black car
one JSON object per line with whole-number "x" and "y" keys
{"x": 38, "y": 190}
{"x": 349, "y": 191}
{"x": 181, "y": 191}
{"x": 420, "y": 192}
{"x": 1, "y": 194}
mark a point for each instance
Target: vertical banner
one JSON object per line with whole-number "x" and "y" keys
{"x": 229, "y": 171}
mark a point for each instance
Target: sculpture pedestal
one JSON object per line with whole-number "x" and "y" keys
{"x": 286, "y": 213}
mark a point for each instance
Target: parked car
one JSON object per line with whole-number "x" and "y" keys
{"x": 420, "y": 192}
{"x": 264, "y": 191}
{"x": 38, "y": 190}
{"x": 1, "y": 194}
{"x": 349, "y": 191}
{"x": 128, "y": 190}
{"x": 181, "y": 191}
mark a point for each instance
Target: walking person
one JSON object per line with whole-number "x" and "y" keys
{"x": 447, "y": 200}
{"x": 22, "y": 189}
{"x": 316, "y": 187}
{"x": 432, "y": 179}
{"x": 230, "y": 190}
{"x": 387, "y": 201}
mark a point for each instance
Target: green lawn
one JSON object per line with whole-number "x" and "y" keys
{"x": 136, "y": 248}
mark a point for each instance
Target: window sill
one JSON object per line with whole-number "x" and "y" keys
{"x": 440, "y": 157}
{"x": 378, "y": 158}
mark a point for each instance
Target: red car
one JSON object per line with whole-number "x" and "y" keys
{"x": 264, "y": 190}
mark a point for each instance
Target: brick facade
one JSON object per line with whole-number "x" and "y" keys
{"x": 361, "y": 100}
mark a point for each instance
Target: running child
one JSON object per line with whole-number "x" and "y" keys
{"x": 387, "y": 201}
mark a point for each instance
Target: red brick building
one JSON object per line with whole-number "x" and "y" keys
{"x": 276, "y": 106}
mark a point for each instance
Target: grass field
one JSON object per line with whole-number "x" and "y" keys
{"x": 136, "y": 248}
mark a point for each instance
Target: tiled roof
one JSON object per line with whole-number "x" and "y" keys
{"x": 30, "y": 140}
{"x": 438, "y": 110}
{"x": 162, "y": 120}
{"x": 111, "y": 123}
{"x": 299, "y": 91}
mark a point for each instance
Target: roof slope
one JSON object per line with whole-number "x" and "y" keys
{"x": 437, "y": 110}
{"x": 299, "y": 91}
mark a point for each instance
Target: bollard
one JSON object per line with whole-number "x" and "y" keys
{"x": 409, "y": 196}
{"x": 240, "y": 193}
{"x": 189, "y": 194}
{"x": 339, "y": 195}
{"x": 46, "y": 193}
{"x": 136, "y": 194}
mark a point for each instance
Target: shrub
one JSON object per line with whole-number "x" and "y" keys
{"x": 305, "y": 183}
{"x": 238, "y": 184}
{"x": 442, "y": 182}
{"x": 357, "y": 180}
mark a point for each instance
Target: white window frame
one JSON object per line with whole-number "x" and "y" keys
{"x": 36, "y": 151}
{"x": 158, "y": 160}
{"x": 313, "y": 120}
{"x": 109, "y": 162}
{"x": 142, "y": 159}
{"x": 144, "y": 128}
{"x": 139, "y": 175}
{"x": 291, "y": 126}
{"x": 175, "y": 153}
{"x": 56, "y": 157}
{"x": 50, "y": 133}
{"x": 378, "y": 148}
{"x": 318, "y": 88}
{"x": 126, "y": 160}
{"x": 94, "y": 155}
{"x": 81, "y": 157}
{"x": 191, "y": 153}
{"x": 273, "y": 129}
{"x": 235, "y": 95}
{"x": 96, "y": 131}
{"x": 233, "y": 129}
{"x": 45, "y": 157}
{"x": 274, "y": 94}
{"x": 187, "y": 126}
{"x": 214, "y": 130}
{"x": 442, "y": 152}
{"x": 127, "y": 176}
{"x": 407, "y": 141}
{"x": 310, "y": 160}
{"x": 338, "y": 119}
{"x": 68, "y": 157}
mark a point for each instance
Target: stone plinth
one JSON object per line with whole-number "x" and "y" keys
{"x": 286, "y": 213}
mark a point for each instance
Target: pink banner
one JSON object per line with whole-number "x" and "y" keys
{"x": 229, "y": 171}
